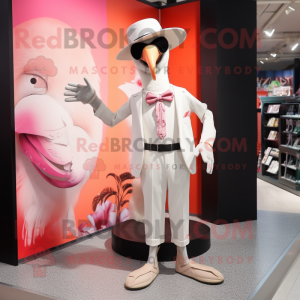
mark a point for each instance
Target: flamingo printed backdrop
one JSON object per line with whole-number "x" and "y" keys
{"x": 71, "y": 181}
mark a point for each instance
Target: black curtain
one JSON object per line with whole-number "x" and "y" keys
{"x": 228, "y": 86}
{"x": 8, "y": 211}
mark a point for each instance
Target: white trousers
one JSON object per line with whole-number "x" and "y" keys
{"x": 162, "y": 171}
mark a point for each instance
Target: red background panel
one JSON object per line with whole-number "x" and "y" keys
{"x": 184, "y": 69}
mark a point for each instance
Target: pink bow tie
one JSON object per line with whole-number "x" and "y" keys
{"x": 160, "y": 110}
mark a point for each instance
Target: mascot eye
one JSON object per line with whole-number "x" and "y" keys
{"x": 33, "y": 80}
{"x": 137, "y": 49}
{"x": 161, "y": 43}
{"x": 31, "y": 84}
{"x": 37, "y": 82}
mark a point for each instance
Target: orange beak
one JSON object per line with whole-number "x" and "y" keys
{"x": 150, "y": 55}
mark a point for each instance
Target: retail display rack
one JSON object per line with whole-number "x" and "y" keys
{"x": 280, "y": 142}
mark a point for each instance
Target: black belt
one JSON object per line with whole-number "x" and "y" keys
{"x": 162, "y": 147}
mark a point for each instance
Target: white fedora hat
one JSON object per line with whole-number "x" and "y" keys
{"x": 147, "y": 29}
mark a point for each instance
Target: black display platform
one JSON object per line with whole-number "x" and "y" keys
{"x": 128, "y": 239}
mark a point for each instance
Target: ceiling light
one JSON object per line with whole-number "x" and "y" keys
{"x": 269, "y": 33}
{"x": 295, "y": 46}
{"x": 261, "y": 62}
{"x": 289, "y": 10}
{"x": 274, "y": 54}
{"x": 267, "y": 59}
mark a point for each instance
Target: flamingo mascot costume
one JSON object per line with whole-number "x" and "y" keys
{"x": 164, "y": 154}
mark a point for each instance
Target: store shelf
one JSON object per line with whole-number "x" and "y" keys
{"x": 276, "y": 127}
{"x": 290, "y": 150}
{"x": 289, "y": 117}
{"x": 280, "y": 183}
{"x": 294, "y": 134}
{"x": 291, "y": 181}
{"x": 290, "y": 167}
{"x": 285, "y": 152}
{"x": 272, "y": 113}
{"x": 288, "y": 182}
{"x": 272, "y": 173}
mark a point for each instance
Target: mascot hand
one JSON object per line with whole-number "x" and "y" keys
{"x": 83, "y": 93}
{"x": 207, "y": 156}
